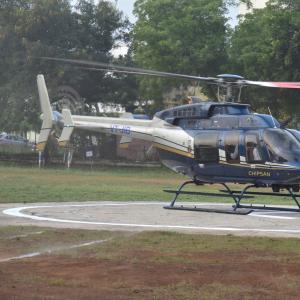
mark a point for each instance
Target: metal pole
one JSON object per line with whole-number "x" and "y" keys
{"x": 70, "y": 156}
{"x": 40, "y": 159}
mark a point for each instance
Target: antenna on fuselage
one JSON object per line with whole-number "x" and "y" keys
{"x": 272, "y": 117}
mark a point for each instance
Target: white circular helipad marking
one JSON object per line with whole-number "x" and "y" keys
{"x": 265, "y": 215}
{"x": 17, "y": 212}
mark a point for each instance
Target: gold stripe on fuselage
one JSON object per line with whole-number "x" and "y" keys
{"x": 173, "y": 150}
{"x": 257, "y": 166}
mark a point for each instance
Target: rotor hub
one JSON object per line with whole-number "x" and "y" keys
{"x": 226, "y": 83}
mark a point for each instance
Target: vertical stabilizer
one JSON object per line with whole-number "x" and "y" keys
{"x": 47, "y": 113}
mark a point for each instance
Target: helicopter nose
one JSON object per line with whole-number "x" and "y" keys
{"x": 294, "y": 177}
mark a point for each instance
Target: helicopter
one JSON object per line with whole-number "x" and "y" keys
{"x": 210, "y": 142}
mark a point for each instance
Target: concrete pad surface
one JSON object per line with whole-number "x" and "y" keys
{"x": 139, "y": 216}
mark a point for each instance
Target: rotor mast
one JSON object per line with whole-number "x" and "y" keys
{"x": 228, "y": 83}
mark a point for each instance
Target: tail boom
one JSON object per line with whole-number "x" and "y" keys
{"x": 127, "y": 128}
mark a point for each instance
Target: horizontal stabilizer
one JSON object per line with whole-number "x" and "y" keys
{"x": 67, "y": 130}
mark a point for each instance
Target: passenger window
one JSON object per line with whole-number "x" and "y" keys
{"x": 206, "y": 147}
{"x": 253, "y": 149}
{"x": 231, "y": 146}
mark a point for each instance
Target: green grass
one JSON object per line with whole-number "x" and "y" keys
{"x": 169, "y": 246}
{"x": 30, "y": 184}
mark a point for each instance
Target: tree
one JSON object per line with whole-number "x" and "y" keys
{"x": 181, "y": 36}
{"x": 101, "y": 27}
{"x": 15, "y": 96}
{"x": 30, "y": 29}
{"x": 266, "y": 46}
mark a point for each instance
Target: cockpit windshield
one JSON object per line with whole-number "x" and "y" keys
{"x": 282, "y": 145}
{"x": 295, "y": 133}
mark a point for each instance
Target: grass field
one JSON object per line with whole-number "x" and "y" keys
{"x": 149, "y": 265}
{"x": 30, "y": 184}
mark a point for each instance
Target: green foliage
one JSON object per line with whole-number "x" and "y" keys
{"x": 35, "y": 28}
{"x": 266, "y": 46}
{"x": 182, "y": 36}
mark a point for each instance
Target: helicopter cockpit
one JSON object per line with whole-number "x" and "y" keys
{"x": 282, "y": 145}
{"x": 295, "y": 133}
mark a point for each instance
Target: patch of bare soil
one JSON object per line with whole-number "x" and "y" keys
{"x": 218, "y": 275}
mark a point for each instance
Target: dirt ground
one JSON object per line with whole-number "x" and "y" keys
{"x": 227, "y": 277}
{"x": 147, "y": 266}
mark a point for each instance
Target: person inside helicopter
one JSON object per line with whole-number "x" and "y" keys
{"x": 272, "y": 156}
{"x": 253, "y": 153}
{"x": 232, "y": 153}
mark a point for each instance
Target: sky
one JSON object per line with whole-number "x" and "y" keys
{"x": 127, "y": 7}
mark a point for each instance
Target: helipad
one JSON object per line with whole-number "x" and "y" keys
{"x": 138, "y": 216}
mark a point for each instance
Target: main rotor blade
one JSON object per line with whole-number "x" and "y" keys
{"x": 130, "y": 70}
{"x": 115, "y": 71}
{"x": 107, "y": 67}
{"x": 274, "y": 84}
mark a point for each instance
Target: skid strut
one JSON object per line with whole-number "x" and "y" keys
{"x": 179, "y": 191}
{"x": 237, "y": 196}
{"x": 244, "y": 192}
{"x": 228, "y": 193}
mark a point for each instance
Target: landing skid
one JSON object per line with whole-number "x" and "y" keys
{"x": 237, "y": 196}
{"x": 220, "y": 211}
